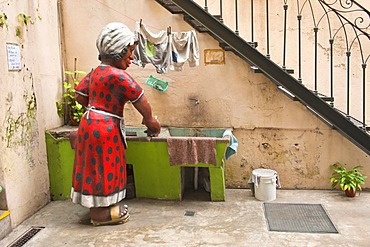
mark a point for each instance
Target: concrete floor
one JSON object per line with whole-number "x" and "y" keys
{"x": 239, "y": 221}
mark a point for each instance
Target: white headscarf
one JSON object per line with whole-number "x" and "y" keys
{"x": 113, "y": 38}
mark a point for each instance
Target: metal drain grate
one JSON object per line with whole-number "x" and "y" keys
{"x": 189, "y": 213}
{"x": 20, "y": 241}
{"x": 305, "y": 218}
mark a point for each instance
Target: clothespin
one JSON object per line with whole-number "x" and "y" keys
{"x": 169, "y": 30}
{"x": 141, "y": 22}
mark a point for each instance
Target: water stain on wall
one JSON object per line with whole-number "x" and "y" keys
{"x": 21, "y": 126}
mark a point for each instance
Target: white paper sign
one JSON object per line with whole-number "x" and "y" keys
{"x": 14, "y": 57}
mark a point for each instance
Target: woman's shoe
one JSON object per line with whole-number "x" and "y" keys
{"x": 117, "y": 217}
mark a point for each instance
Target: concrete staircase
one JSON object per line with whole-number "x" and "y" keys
{"x": 319, "y": 104}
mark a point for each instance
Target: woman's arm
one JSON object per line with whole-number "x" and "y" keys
{"x": 143, "y": 106}
{"x": 83, "y": 100}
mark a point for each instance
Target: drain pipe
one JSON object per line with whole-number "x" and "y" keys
{"x": 196, "y": 172}
{"x": 62, "y": 49}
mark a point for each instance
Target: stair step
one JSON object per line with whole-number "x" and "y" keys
{"x": 218, "y": 17}
{"x": 170, "y": 6}
{"x": 292, "y": 96}
{"x": 356, "y": 122}
{"x": 324, "y": 97}
{"x": 225, "y": 46}
{"x": 195, "y": 24}
{"x": 287, "y": 93}
{"x": 366, "y": 128}
{"x": 257, "y": 70}
{"x": 253, "y": 44}
{"x": 289, "y": 71}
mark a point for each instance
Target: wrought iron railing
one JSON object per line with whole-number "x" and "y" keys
{"x": 358, "y": 24}
{"x": 343, "y": 23}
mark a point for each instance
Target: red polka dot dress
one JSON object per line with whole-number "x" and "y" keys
{"x": 99, "y": 171}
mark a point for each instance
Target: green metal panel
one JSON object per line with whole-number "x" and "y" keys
{"x": 154, "y": 177}
{"x": 217, "y": 180}
{"x": 60, "y": 161}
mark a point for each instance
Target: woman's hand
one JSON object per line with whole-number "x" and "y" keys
{"x": 153, "y": 125}
{"x": 143, "y": 106}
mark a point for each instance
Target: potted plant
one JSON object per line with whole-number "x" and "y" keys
{"x": 349, "y": 180}
{"x": 68, "y": 107}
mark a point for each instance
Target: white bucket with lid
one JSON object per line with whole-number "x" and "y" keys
{"x": 265, "y": 181}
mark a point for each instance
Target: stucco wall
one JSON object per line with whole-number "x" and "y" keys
{"x": 273, "y": 131}
{"x": 28, "y": 104}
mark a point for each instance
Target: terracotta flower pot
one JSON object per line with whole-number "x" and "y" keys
{"x": 73, "y": 122}
{"x": 350, "y": 192}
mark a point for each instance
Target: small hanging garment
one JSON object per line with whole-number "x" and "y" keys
{"x": 184, "y": 48}
{"x": 152, "y": 48}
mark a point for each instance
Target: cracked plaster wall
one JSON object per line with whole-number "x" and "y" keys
{"x": 28, "y": 104}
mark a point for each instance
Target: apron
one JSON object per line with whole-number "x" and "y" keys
{"x": 121, "y": 122}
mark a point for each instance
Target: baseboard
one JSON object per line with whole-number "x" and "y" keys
{"x": 5, "y": 226}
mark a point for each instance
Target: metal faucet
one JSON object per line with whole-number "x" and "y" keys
{"x": 196, "y": 101}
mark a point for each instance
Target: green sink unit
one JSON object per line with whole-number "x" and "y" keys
{"x": 60, "y": 157}
{"x": 153, "y": 175}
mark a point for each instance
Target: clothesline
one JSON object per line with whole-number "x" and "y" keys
{"x": 168, "y": 28}
{"x": 128, "y": 17}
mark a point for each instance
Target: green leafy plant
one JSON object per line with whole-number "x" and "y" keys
{"x": 3, "y": 20}
{"x": 24, "y": 20}
{"x": 347, "y": 178}
{"x": 68, "y": 106}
